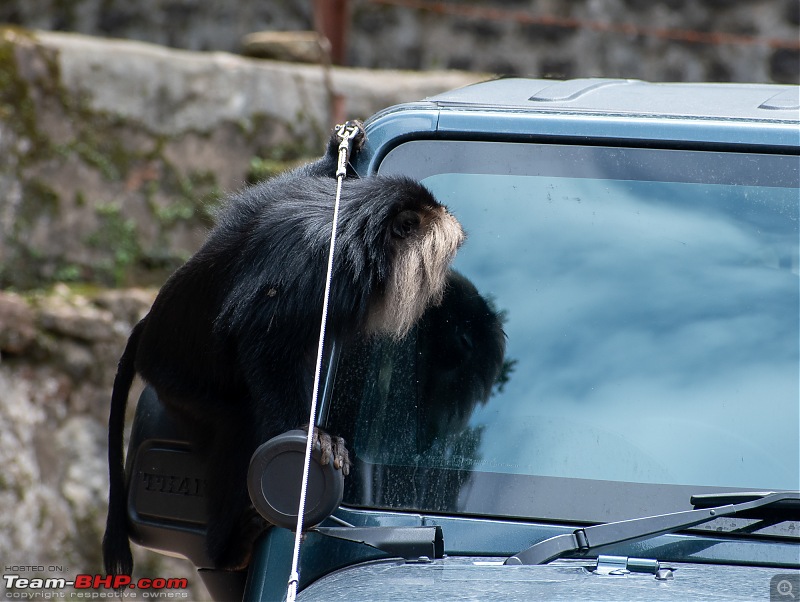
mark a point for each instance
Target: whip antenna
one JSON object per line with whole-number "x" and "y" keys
{"x": 346, "y": 134}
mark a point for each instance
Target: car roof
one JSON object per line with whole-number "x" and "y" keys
{"x": 699, "y": 116}
{"x": 757, "y": 102}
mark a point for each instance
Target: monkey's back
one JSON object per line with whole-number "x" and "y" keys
{"x": 247, "y": 306}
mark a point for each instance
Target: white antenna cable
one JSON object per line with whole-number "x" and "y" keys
{"x": 346, "y": 135}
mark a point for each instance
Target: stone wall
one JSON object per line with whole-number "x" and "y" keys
{"x": 57, "y": 366}
{"x": 116, "y": 152}
{"x": 586, "y": 38}
{"x": 541, "y": 38}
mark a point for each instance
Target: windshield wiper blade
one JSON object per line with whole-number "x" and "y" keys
{"x": 787, "y": 509}
{"x": 582, "y": 541}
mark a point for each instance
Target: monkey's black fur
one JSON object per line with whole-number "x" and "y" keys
{"x": 460, "y": 350}
{"x": 230, "y": 341}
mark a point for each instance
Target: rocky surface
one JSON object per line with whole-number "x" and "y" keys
{"x": 57, "y": 355}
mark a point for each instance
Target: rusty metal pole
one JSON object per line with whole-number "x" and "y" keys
{"x": 331, "y": 21}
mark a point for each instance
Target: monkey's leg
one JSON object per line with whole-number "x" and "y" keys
{"x": 232, "y": 526}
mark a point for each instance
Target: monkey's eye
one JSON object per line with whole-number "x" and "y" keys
{"x": 405, "y": 224}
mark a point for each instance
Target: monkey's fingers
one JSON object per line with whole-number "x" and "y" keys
{"x": 357, "y": 142}
{"x": 331, "y": 449}
{"x": 361, "y": 137}
{"x": 322, "y": 442}
{"x": 341, "y": 457}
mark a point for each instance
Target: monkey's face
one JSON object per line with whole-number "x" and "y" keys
{"x": 422, "y": 239}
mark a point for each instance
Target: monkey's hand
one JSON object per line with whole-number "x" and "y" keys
{"x": 358, "y": 140}
{"x": 332, "y": 448}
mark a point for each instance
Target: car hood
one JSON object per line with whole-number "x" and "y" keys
{"x": 459, "y": 578}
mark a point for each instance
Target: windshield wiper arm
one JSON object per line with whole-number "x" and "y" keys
{"x": 582, "y": 541}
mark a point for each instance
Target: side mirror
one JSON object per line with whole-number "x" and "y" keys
{"x": 274, "y": 481}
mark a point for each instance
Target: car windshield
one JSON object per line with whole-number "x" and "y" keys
{"x": 621, "y": 323}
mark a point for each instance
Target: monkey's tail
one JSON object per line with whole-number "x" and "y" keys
{"x": 116, "y": 547}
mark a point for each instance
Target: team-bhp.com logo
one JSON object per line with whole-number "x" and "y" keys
{"x": 93, "y": 587}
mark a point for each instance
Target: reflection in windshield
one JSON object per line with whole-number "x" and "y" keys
{"x": 425, "y": 389}
{"x": 655, "y": 327}
{"x": 459, "y": 357}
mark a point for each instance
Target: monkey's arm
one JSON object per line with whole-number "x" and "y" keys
{"x": 326, "y": 166}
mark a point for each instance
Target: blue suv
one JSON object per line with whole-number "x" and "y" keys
{"x": 619, "y": 340}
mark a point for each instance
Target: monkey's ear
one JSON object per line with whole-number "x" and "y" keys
{"x": 405, "y": 223}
